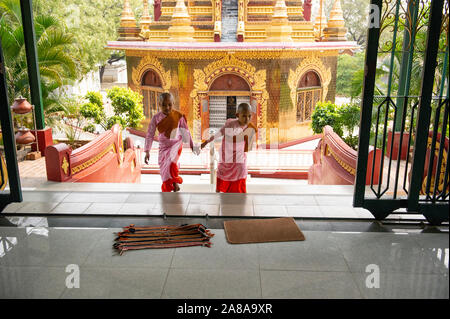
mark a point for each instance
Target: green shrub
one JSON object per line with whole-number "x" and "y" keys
{"x": 93, "y": 111}
{"x": 127, "y": 106}
{"x": 89, "y": 128}
{"x": 95, "y": 98}
{"x": 345, "y": 117}
{"x": 326, "y": 113}
{"x": 351, "y": 141}
{"x": 116, "y": 120}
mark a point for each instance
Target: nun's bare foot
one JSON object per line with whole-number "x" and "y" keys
{"x": 176, "y": 187}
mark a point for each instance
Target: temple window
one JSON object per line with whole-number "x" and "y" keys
{"x": 309, "y": 92}
{"x": 151, "y": 87}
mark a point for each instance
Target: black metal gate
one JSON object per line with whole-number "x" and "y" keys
{"x": 8, "y": 166}
{"x": 405, "y": 110}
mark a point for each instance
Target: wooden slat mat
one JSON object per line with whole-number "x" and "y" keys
{"x": 262, "y": 230}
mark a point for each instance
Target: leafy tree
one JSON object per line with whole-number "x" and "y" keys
{"x": 346, "y": 68}
{"x": 94, "y": 23}
{"x": 349, "y": 117}
{"x": 384, "y": 58}
{"x": 355, "y": 13}
{"x": 56, "y": 50}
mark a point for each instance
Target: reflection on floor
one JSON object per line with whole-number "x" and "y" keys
{"x": 39, "y": 257}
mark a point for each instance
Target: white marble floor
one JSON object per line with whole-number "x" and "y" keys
{"x": 38, "y": 262}
{"x": 179, "y": 204}
{"x": 336, "y": 205}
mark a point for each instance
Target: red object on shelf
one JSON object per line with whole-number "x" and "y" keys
{"x": 21, "y": 106}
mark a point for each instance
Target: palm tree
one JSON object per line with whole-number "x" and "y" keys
{"x": 58, "y": 65}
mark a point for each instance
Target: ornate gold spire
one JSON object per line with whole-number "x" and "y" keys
{"x": 280, "y": 10}
{"x": 127, "y": 20}
{"x": 279, "y": 30}
{"x": 146, "y": 19}
{"x": 320, "y": 22}
{"x": 181, "y": 29}
{"x": 128, "y": 30}
{"x": 336, "y": 19}
{"x": 336, "y": 29}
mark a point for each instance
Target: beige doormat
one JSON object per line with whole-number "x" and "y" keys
{"x": 262, "y": 230}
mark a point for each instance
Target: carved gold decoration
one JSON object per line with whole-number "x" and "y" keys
{"x": 241, "y": 10}
{"x": 4, "y": 176}
{"x": 151, "y": 62}
{"x": 239, "y": 54}
{"x": 65, "y": 165}
{"x": 217, "y": 10}
{"x": 312, "y": 63}
{"x": 120, "y": 144}
{"x": 230, "y": 64}
{"x": 93, "y": 160}
{"x": 441, "y": 171}
{"x": 241, "y": 18}
{"x": 344, "y": 165}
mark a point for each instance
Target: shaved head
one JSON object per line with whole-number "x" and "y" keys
{"x": 166, "y": 95}
{"x": 244, "y": 107}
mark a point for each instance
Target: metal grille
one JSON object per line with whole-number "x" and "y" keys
{"x": 217, "y": 111}
{"x": 405, "y": 110}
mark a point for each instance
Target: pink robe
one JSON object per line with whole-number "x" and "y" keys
{"x": 168, "y": 147}
{"x": 233, "y": 158}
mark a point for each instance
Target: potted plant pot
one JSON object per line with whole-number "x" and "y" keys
{"x": 24, "y": 137}
{"x": 21, "y": 106}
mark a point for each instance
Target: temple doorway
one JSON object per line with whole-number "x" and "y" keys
{"x": 225, "y": 95}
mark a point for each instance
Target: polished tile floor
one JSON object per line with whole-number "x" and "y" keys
{"x": 338, "y": 259}
{"x": 109, "y": 203}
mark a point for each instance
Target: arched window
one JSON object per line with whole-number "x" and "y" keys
{"x": 151, "y": 87}
{"x": 309, "y": 92}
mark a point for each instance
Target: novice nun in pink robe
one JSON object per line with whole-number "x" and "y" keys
{"x": 172, "y": 128}
{"x": 238, "y": 136}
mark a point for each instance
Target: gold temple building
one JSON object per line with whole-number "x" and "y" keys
{"x": 214, "y": 54}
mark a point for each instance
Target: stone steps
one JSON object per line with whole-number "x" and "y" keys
{"x": 229, "y": 20}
